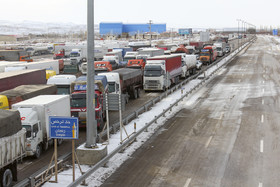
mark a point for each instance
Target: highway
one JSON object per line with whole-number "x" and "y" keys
{"x": 229, "y": 136}
{"x": 31, "y": 165}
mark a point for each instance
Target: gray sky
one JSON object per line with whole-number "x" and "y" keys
{"x": 175, "y": 13}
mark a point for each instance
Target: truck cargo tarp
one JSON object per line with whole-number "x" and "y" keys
{"x": 128, "y": 73}
{"x": 10, "y": 122}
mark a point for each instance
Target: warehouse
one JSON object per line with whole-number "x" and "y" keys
{"x": 119, "y": 28}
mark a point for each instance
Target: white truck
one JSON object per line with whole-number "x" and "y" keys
{"x": 35, "y": 113}
{"x": 46, "y": 64}
{"x": 112, "y": 58}
{"x": 62, "y": 83}
{"x": 79, "y": 55}
{"x": 150, "y": 51}
{"x": 221, "y": 48}
{"x": 38, "y": 50}
{"x": 99, "y": 52}
{"x": 3, "y": 64}
{"x": 12, "y": 145}
{"x": 188, "y": 64}
{"x": 130, "y": 55}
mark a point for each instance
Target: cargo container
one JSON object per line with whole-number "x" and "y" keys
{"x": 46, "y": 65}
{"x": 35, "y": 113}
{"x": 24, "y": 92}
{"x": 9, "y": 80}
{"x": 12, "y": 145}
{"x": 3, "y": 64}
{"x": 15, "y": 55}
{"x": 150, "y": 51}
{"x": 162, "y": 71}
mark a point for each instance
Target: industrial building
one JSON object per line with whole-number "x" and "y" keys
{"x": 131, "y": 29}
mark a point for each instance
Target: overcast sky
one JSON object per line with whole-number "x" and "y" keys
{"x": 175, "y": 13}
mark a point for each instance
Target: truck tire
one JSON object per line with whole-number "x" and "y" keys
{"x": 138, "y": 92}
{"x": 134, "y": 93}
{"x": 7, "y": 178}
{"x": 38, "y": 151}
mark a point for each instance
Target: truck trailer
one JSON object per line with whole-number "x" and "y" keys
{"x": 23, "y": 92}
{"x": 12, "y": 145}
{"x": 15, "y": 55}
{"x": 9, "y": 80}
{"x": 35, "y": 113}
{"x": 162, "y": 71}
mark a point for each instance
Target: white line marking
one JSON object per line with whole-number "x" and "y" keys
{"x": 261, "y": 146}
{"x": 263, "y": 90}
{"x": 260, "y": 184}
{"x": 262, "y": 101}
{"x": 188, "y": 182}
{"x": 208, "y": 142}
{"x": 262, "y": 118}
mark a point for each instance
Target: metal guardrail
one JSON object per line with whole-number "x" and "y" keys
{"x": 134, "y": 136}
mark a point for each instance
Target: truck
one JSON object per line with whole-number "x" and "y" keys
{"x": 130, "y": 55}
{"x": 137, "y": 64}
{"x": 35, "y": 113}
{"x": 188, "y": 64}
{"x": 23, "y": 92}
{"x": 79, "y": 55}
{"x": 162, "y": 71}
{"x": 198, "y": 46}
{"x": 116, "y": 53}
{"x": 37, "y": 50}
{"x": 208, "y": 54}
{"x": 99, "y": 52}
{"x": 62, "y": 83}
{"x": 3, "y": 64}
{"x": 78, "y": 100}
{"x": 46, "y": 65}
{"x": 12, "y": 145}
{"x": 125, "y": 81}
{"x": 150, "y": 51}
{"x": 123, "y": 50}
{"x": 221, "y": 48}
{"x": 15, "y": 55}
{"x": 9, "y": 80}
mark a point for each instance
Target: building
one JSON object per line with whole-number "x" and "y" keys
{"x": 119, "y": 28}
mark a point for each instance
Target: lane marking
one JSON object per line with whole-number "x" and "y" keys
{"x": 261, "y": 146}
{"x": 208, "y": 141}
{"x": 260, "y": 184}
{"x": 262, "y": 101}
{"x": 262, "y": 118}
{"x": 188, "y": 182}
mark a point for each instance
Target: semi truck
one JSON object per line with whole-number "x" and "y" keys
{"x": 37, "y": 50}
{"x": 15, "y": 55}
{"x": 162, "y": 71}
{"x": 9, "y": 80}
{"x": 3, "y": 64}
{"x": 208, "y": 54}
{"x": 126, "y": 81}
{"x": 46, "y": 65}
{"x": 78, "y": 100}
{"x": 136, "y": 63}
{"x": 62, "y": 83}
{"x": 12, "y": 146}
{"x": 35, "y": 113}
{"x": 79, "y": 55}
{"x": 188, "y": 64}
{"x": 150, "y": 51}
{"x": 130, "y": 55}
{"x": 221, "y": 48}
{"x": 24, "y": 92}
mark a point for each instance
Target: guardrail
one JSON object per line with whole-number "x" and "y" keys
{"x": 134, "y": 136}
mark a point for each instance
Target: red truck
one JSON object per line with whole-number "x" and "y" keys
{"x": 104, "y": 66}
{"x": 208, "y": 54}
{"x": 162, "y": 71}
{"x": 9, "y": 80}
{"x": 136, "y": 63}
{"x": 78, "y": 100}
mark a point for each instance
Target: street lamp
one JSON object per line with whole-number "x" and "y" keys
{"x": 238, "y": 32}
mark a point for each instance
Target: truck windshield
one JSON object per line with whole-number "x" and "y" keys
{"x": 129, "y": 58}
{"x": 204, "y": 54}
{"x": 28, "y": 130}
{"x": 74, "y": 54}
{"x": 78, "y": 102}
{"x": 111, "y": 87}
{"x": 152, "y": 71}
{"x": 63, "y": 90}
{"x": 219, "y": 48}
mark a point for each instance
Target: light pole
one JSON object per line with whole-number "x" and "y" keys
{"x": 150, "y": 28}
{"x": 90, "y": 114}
{"x": 238, "y": 33}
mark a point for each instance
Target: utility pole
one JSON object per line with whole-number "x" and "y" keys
{"x": 91, "y": 121}
{"x": 150, "y": 28}
{"x": 238, "y": 33}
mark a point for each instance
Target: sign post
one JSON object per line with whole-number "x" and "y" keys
{"x": 64, "y": 128}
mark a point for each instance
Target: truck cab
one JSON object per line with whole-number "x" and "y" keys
{"x": 62, "y": 83}
{"x": 208, "y": 54}
{"x": 103, "y": 66}
{"x": 76, "y": 56}
{"x": 130, "y": 55}
{"x": 113, "y": 82}
{"x": 111, "y": 58}
{"x": 25, "y": 58}
{"x": 137, "y": 63}
{"x": 155, "y": 76}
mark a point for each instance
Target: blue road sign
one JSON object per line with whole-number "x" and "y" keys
{"x": 275, "y": 32}
{"x": 63, "y": 127}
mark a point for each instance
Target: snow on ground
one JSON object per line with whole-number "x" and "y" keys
{"x": 100, "y": 175}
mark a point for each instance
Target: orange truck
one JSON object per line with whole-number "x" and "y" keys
{"x": 15, "y": 55}
{"x": 104, "y": 66}
{"x": 208, "y": 54}
{"x": 136, "y": 63}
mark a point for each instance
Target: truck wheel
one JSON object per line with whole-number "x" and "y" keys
{"x": 59, "y": 141}
{"x": 38, "y": 151}
{"x": 7, "y": 178}
{"x": 138, "y": 92}
{"x": 134, "y": 93}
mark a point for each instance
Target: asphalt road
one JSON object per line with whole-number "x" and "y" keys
{"x": 31, "y": 165}
{"x": 229, "y": 136}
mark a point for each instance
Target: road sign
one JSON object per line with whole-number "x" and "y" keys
{"x": 275, "y": 32}
{"x": 63, "y": 127}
